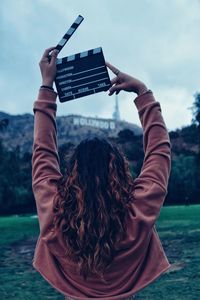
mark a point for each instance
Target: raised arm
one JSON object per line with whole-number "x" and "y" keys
{"x": 151, "y": 184}
{"x": 45, "y": 160}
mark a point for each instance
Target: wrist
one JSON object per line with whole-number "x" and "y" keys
{"x": 48, "y": 83}
{"x": 46, "y": 95}
{"x": 141, "y": 89}
{"x": 47, "y": 87}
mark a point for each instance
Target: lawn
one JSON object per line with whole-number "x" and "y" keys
{"x": 178, "y": 228}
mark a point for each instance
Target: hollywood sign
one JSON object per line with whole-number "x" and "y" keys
{"x": 109, "y": 125}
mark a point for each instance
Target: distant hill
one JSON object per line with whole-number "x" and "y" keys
{"x": 71, "y": 128}
{"x": 16, "y": 139}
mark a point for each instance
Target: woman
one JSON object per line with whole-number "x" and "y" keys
{"x": 97, "y": 235}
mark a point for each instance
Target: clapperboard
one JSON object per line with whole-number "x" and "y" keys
{"x": 81, "y": 74}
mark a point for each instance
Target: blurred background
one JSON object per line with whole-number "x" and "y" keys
{"x": 155, "y": 41}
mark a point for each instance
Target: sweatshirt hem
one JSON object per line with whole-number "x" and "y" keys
{"x": 122, "y": 297}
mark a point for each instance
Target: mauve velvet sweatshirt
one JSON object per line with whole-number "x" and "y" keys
{"x": 140, "y": 258}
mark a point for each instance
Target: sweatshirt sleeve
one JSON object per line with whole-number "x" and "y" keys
{"x": 150, "y": 187}
{"x": 45, "y": 160}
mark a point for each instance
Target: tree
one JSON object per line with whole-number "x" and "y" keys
{"x": 183, "y": 185}
{"x": 126, "y": 135}
{"x": 196, "y": 109}
{"x": 196, "y": 117}
{"x": 196, "y": 121}
{"x": 3, "y": 124}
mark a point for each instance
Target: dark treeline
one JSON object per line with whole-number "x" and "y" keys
{"x": 184, "y": 185}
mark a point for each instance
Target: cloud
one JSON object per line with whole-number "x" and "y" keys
{"x": 155, "y": 41}
{"x": 175, "y": 103}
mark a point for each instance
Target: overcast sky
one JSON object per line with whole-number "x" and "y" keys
{"x": 156, "y": 41}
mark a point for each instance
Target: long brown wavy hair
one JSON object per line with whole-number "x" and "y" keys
{"x": 92, "y": 203}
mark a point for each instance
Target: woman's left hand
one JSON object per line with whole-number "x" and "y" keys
{"x": 48, "y": 69}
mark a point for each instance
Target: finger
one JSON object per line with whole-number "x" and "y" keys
{"x": 112, "y": 90}
{"x": 44, "y": 60}
{"x": 54, "y": 57}
{"x": 47, "y": 51}
{"x": 112, "y": 68}
{"x": 114, "y": 80}
{"x": 115, "y": 88}
{"x": 117, "y": 92}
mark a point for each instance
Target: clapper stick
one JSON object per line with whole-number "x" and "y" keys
{"x": 69, "y": 33}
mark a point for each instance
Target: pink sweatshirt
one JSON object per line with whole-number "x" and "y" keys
{"x": 141, "y": 258}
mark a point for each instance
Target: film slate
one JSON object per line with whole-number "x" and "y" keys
{"x": 81, "y": 74}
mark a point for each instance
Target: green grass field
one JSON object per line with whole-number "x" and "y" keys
{"x": 178, "y": 228}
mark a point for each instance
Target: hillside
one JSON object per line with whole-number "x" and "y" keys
{"x": 16, "y": 138}
{"x": 71, "y": 128}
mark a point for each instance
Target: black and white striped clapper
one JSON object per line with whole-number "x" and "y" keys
{"x": 81, "y": 74}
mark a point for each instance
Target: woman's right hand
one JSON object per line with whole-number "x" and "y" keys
{"x": 48, "y": 68}
{"x": 125, "y": 82}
